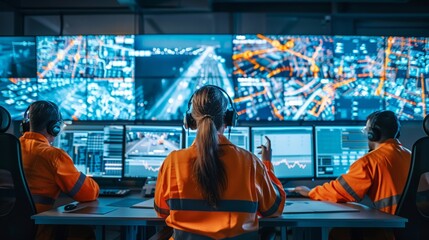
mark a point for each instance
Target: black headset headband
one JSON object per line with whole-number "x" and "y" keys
{"x": 231, "y": 103}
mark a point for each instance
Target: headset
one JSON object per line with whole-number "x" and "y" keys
{"x": 374, "y": 131}
{"x": 230, "y": 117}
{"x": 53, "y": 127}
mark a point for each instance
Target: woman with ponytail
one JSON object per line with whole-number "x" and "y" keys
{"x": 214, "y": 189}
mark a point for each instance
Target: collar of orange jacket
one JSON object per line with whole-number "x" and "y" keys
{"x": 390, "y": 141}
{"x": 35, "y": 136}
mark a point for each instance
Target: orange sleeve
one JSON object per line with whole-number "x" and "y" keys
{"x": 72, "y": 182}
{"x": 349, "y": 187}
{"x": 272, "y": 196}
{"x": 162, "y": 190}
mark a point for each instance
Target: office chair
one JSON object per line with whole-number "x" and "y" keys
{"x": 414, "y": 204}
{"x": 16, "y": 203}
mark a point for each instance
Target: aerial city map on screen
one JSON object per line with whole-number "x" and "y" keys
{"x": 269, "y": 77}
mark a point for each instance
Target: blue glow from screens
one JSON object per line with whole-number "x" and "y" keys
{"x": 16, "y": 94}
{"x": 358, "y": 86}
{"x": 147, "y": 147}
{"x": 239, "y": 136}
{"x": 110, "y": 99}
{"x": 96, "y": 150}
{"x": 292, "y": 150}
{"x": 407, "y": 75}
{"x": 270, "y": 77}
{"x": 70, "y": 94}
{"x": 283, "y": 77}
{"x": 169, "y": 71}
{"x": 17, "y": 57}
{"x": 338, "y": 147}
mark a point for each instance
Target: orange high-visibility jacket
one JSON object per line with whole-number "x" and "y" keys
{"x": 49, "y": 170}
{"x": 252, "y": 189}
{"x": 381, "y": 174}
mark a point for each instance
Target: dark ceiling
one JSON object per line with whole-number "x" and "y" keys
{"x": 165, "y": 6}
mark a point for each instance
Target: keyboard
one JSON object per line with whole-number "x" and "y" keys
{"x": 114, "y": 192}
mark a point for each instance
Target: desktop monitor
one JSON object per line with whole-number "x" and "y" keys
{"x": 337, "y": 147}
{"x": 292, "y": 149}
{"x": 238, "y": 136}
{"x": 146, "y": 147}
{"x": 96, "y": 150}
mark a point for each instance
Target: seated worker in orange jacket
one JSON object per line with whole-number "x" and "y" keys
{"x": 381, "y": 174}
{"x": 49, "y": 170}
{"x": 214, "y": 189}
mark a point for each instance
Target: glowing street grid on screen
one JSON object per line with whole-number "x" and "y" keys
{"x": 338, "y": 147}
{"x": 16, "y": 94}
{"x": 283, "y": 77}
{"x": 110, "y": 56}
{"x": 96, "y": 150}
{"x": 358, "y": 85}
{"x": 169, "y": 71}
{"x": 110, "y": 99}
{"x": 239, "y": 136}
{"x": 407, "y": 75}
{"x": 61, "y": 56}
{"x": 292, "y": 149}
{"x": 147, "y": 147}
{"x": 69, "y": 94}
{"x": 17, "y": 57}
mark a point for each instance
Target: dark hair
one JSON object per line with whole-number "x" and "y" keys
{"x": 386, "y": 122}
{"x": 208, "y": 109}
{"x": 41, "y": 113}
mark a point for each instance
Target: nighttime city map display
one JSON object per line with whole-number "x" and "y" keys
{"x": 358, "y": 84}
{"x": 169, "y": 68}
{"x": 283, "y": 77}
{"x": 407, "y": 76}
{"x": 89, "y": 77}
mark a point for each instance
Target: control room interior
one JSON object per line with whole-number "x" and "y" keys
{"x": 144, "y": 108}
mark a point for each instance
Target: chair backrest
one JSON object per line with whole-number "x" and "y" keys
{"x": 414, "y": 204}
{"x": 16, "y": 204}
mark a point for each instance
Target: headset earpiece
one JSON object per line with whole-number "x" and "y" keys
{"x": 230, "y": 118}
{"x": 54, "y": 128}
{"x": 24, "y": 126}
{"x": 189, "y": 122}
{"x": 374, "y": 133}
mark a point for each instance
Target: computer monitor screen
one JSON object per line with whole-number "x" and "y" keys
{"x": 283, "y": 77}
{"x": 17, "y": 57}
{"x": 16, "y": 94}
{"x": 359, "y": 69}
{"x": 238, "y": 136}
{"x": 407, "y": 74}
{"x": 292, "y": 149}
{"x": 146, "y": 148}
{"x": 337, "y": 147}
{"x": 96, "y": 150}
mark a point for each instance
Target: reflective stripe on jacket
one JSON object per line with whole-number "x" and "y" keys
{"x": 380, "y": 174}
{"x": 252, "y": 190}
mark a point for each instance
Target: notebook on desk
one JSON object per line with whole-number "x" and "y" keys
{"x": 316, "y": 207}
{"x": 144, "y": 204}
